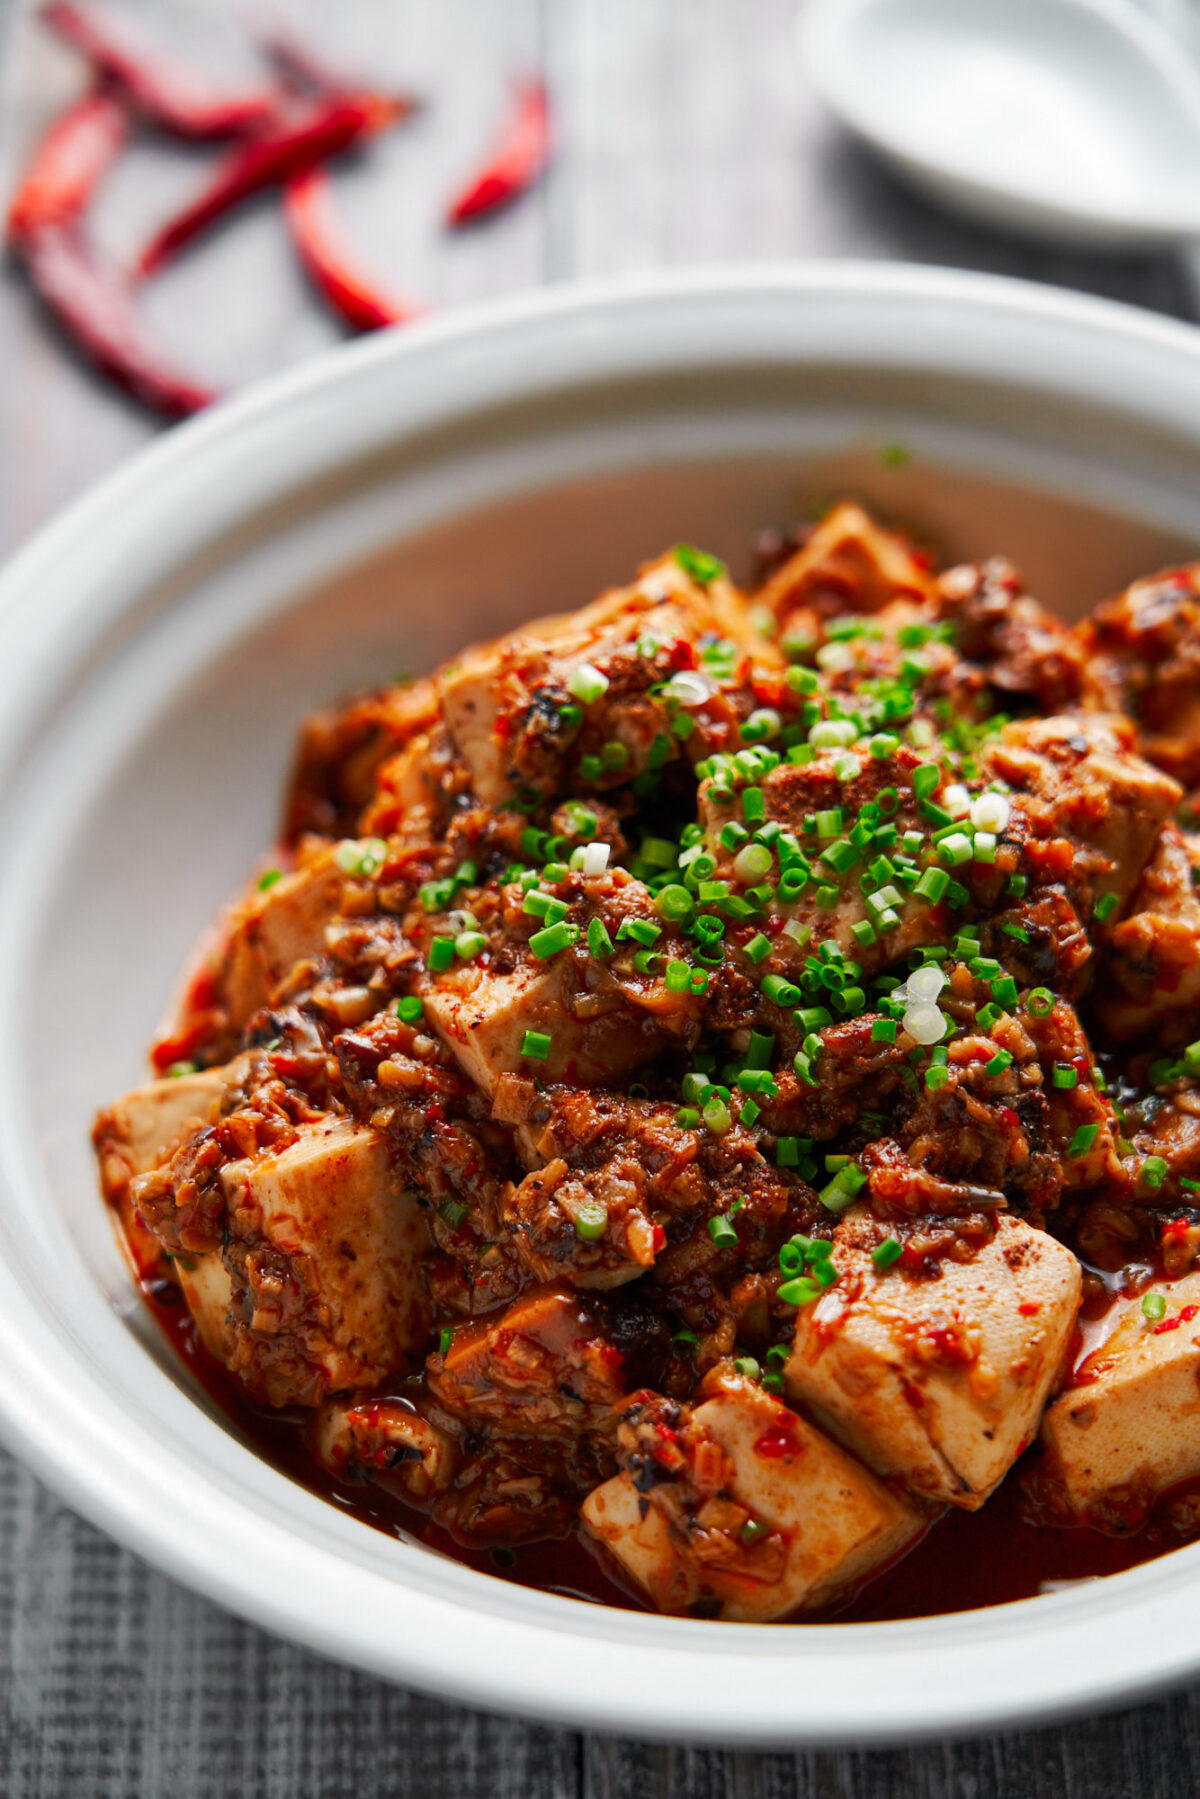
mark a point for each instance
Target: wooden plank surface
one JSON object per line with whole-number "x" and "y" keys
{"x": 688, "y": 136}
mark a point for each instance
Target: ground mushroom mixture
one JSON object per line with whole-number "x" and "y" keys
{"x": 719, "y": 1074}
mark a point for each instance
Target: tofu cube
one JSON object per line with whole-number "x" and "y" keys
{"x": 272, "y": 931}
{"x": 326, "y": 1250}
{"x": 834, "y": 1521}
{"x": 492, "y": 686}
{"x": 1128, "y": 1426}
{"x": 940, "y": 1381}
{"x": 138, "y": 1133}
{"x": 482, "y": 1017}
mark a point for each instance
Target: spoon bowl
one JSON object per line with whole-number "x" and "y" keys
{"x": 1073, "y": 121}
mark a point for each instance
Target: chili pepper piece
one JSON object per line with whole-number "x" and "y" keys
{"x": 94, "y": 309}
{"x": 67, "y": 165}
{"x": 266, "y": 162}
{"x": 519, "y": 158}
{"x": 307, "y": 69}
{"x": 165, "y": 91}
{"x": 328, "y": 257}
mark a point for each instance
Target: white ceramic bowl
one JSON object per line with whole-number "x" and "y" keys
{"x": 158, "y": 645}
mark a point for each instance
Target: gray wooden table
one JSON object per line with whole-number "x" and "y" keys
{"x": 687, "y": 136}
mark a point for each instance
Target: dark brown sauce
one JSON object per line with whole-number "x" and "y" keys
{"x": 965, "y": 1560}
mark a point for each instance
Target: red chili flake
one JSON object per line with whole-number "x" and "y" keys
{"x": 769, "y": 690}
{"x": 658, "y": 1238}
{"x": 1168, "y": 1324}
{"x": 682, "y": 654}
{"x": 911, "y": 1256}
{"x": 435, "y": 1112}
{"x": 201, "y": 992}
{"x": 1009, "y": 1118}
{"x": 775, "y": 1443}
{"x": 666, "y": 1433}
{"x": 1188, "y": 1313}
{"x": 518, "y": 159}
{"x": 179, "y": 1047}
{"x": 1030, "y": 1308}
{"x": 610, "y": 1355}
{"x": 330, "y": 260}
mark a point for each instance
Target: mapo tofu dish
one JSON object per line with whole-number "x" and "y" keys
{"x": 711, "y": 1082}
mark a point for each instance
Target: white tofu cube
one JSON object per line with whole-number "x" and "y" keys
{"x": 834, "y": 1522}
{"x": 139, "y": 1131}
{"x": 482, "y": 1018}
{"x": 1128, "y": 1426}
{"x": 328, "y": 1288}
{"x": 272, "y": 931}
{"x": 940, "y": 1381}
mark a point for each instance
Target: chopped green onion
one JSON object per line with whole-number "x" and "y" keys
{"x": 800, "y": 1292}
{"x": 722, "y": 1232}
{"x": 591, "y": 1220}
{"x": 674, "y": 903}
{"x": 587, "y": 683}
{"x": 932, "y": 885}
{"x": 554, "y": 938}
{"x": 1083, "y": 1139}
{"x": 698, "y": 565}
{"x": 536, "y": 1045}
{"x": 843, "y": 1188}
{"x": 717, "y": 1117}
{"x": 441, "y": 954}
{"x": 1154, "y": 1305}
{"x": 887, "y": 1252}
{"x": 599, "y": 942}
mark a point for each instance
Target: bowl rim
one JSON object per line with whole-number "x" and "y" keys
{"x": 478, "y": 1640}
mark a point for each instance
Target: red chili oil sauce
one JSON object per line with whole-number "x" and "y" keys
{"x": 965, "y": 1560}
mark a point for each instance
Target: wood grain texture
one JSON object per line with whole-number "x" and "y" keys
{"x": 687, "y": 136}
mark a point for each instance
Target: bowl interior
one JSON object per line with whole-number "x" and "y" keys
{"x": 152, "y": 784}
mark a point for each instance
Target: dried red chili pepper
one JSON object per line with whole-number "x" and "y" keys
{"x": 307, "y": 69}
{"x": 519, "y": 158}
{"x": 95, "y": 310}
{"x": 90, "y": 302}
{"x": 268, "y": 161}
{"x": 327, "y": 256}
{"x": 64, "y": 170}
{"x": 164, "y": 91}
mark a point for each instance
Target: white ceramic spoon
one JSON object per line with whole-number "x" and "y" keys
{"x": 1076, "y": 121}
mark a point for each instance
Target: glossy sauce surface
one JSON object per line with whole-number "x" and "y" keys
{"x": 965, "y": 1560}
